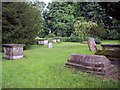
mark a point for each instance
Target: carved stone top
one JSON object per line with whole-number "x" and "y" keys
{"x": 13, "y": 45}
{"x": 90, "y": 60}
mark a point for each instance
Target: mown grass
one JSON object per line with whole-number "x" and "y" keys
{"x": 45, "y": 68}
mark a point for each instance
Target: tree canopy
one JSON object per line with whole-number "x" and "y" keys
{"x": 21, "y": 23}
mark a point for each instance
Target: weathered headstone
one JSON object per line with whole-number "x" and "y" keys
{"x": 96, "y": 64}
{"x": 49, "y": 45}
{"x": 92, "y": 44}
{"x": 13, "y": 51}
{"x": 54, "y": 40}
{"x": 57, "y": 39}
{"x": 43, "y": 42}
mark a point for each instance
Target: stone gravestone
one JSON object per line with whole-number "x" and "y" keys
{"x": 49, "y": 45}
{"x": 13, "y": 51}
{"x": 58, "y": 40}
{"x": 96, "y": 64}
{"x": 54, "y": 40}
{"x": 43, "y": 42}
{"x": 92, "y": 44}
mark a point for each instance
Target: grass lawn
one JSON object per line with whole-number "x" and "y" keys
{"x": 44, "y": 68}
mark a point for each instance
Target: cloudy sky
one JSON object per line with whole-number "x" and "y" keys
{"x": 46, "y": 1}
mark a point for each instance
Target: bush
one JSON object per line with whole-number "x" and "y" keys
{"x": 82, "y": 28}
{"x": 72, "y": 38}
{"x": 20, "y": 23}
{"x": 63, "y": 39}
{"x": 51, "y": 35}
{"x": 97, "y": 40}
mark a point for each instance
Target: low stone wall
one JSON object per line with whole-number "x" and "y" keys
{"x": 96, "y": 64}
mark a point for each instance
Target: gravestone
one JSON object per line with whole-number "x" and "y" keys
{"x": 13, "y": 51}
{"x": 54, "y": 40}
{"x": 49, "y": 45}
{"x": 57, "y": 39}
{"x": 96, "y": 64}
{"x": 43, "y": 42}
{"x": 92, "y": 44}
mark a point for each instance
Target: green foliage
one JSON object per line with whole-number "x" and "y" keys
{"x": 20, "y": 23}
{"x": 60, "y": 18}
{"x": 92, "y": 11}
{"x": 82, "y": 28}
{"x": 111, "y": 8}
{"x": 51, "y": 35}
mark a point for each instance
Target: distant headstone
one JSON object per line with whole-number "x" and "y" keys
{"x": 58, "y": 39}
{"x": 96, "y": 64}
{"x": 49, "y": 45}
{"x": 54, "y": 40}
{"x": 92, "y": 44}
{"x": 13, "y": 51}
{"x": 43, "y": 42}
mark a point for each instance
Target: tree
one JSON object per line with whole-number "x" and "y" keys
{"x": 111, "y": 8}
{"x": 60, "y": 18}
{"x": 82, "y": 28}
{"x": 20, "y": 23}
{"x": 93, "y": 11}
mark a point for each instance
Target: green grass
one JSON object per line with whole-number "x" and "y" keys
{"x": 45, "y": 68}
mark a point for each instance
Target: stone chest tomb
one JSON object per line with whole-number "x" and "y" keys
{"x": 13, "y": 51}
{"x": 96, "y": 64}
{"x": 111, "y": 51}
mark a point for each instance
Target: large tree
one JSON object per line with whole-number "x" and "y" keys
{"x": 60, "y": 18}
{"x": 112, "y": 8}
{"x": 92, "y": 11}
{"x": 20, "y": 23}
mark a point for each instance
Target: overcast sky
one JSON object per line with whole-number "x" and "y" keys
{"x": 46, "y": 1}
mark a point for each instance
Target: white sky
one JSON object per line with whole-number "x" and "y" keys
{"x": 46, "y": 1}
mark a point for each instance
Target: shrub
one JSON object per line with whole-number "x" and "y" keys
{"x": 97, "y": 40}
{"x": 82, "y": 28}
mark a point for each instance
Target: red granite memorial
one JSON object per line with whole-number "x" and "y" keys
{"x": 13, "y": 51}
